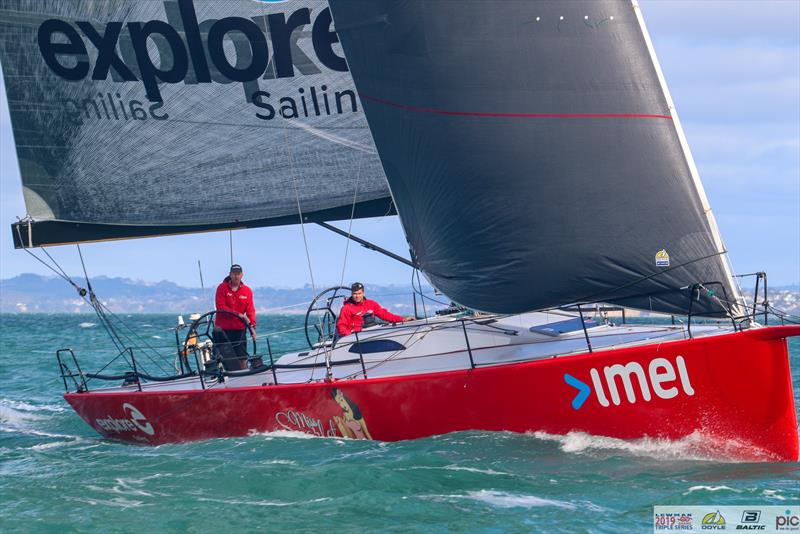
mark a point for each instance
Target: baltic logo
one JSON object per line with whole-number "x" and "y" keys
{"x": 751, "y": 520}
{"x": 713, "y": 521}
{"x": 136, "y": 421}
{"x": 661, "y": 378}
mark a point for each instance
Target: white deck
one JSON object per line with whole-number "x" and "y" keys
{"x": 440, "y": 344}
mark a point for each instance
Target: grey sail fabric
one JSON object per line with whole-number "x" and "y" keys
{"x": 137, "y": 118}
{"x": 533, "y": 155}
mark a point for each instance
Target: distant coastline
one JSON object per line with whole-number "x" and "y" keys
{"x": 33, "y": 293}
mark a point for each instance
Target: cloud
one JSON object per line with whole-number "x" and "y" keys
{"x": 765, "y": 21}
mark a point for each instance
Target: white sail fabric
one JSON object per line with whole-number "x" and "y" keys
{"x": 137, "y": 118}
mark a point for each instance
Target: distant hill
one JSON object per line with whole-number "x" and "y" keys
{"x": 32, "y": 293}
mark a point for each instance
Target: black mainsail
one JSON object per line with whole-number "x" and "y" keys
{"x": 148, "y": 118}
{"x": 534, "y": 153}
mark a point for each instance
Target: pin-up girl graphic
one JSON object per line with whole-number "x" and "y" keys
{"x": 351, "y": 424}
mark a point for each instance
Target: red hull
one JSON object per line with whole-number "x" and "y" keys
{"x": 734, "y": 388}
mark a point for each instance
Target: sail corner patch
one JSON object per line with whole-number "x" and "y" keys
{"x": 662, "y": 258}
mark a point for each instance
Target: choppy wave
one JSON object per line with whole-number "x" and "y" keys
{"x": 261, "y": 503}
{"x": 87, "y": 325}
{"x": 501, "y": 499}
{"x": 18, "y": 414}
{"x": 712, "y": 489}
{"x": 695, "y": 446}
{"x": 285, "y": 434}
{"x": 29, "y": 407}
{"x": 15, "y": 418}
{"x": 458, "y": 468}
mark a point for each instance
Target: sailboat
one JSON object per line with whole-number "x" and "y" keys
{"x": 534, "y": 157}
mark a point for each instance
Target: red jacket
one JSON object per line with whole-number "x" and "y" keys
{"x": 351, "y": 318}
{"x": 239, "y": 301}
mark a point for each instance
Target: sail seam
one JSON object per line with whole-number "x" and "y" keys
{"x": 436, "y": 111}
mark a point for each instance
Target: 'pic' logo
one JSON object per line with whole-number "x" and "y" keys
{"x": 787, "y": 521}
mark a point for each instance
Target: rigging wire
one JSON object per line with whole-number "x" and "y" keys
{"x": 103, "y": 313}
{"x": 95, "y": 304}
{"x": 418, "y": 290}
{"x": 118, "y": 338}
{"x": 599, "y": 296}
{"x": 302, "y": 224}
{"x": 202, "y": 285}
{"x": 352, "y": 216}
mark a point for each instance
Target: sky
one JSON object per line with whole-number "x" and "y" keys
{"x": 733, "y": 69}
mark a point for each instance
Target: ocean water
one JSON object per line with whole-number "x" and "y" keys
{"x": 58, "y": 475}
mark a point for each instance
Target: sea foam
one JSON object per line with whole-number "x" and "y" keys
{"x": 695, "y": 446}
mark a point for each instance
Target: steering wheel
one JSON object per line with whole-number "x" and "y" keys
{"x": 321, "y": 316}
{"x": 200, "y": 336}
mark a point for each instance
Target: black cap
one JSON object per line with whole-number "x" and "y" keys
{"x": 236, "y": 267}
{"x": 357, "y": 286}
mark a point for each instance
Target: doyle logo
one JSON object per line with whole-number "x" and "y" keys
{"x": 662, "y": 258}
{"x": 713, "y": 521}
{"x": 660, "y": 379}
{"x": 185, "y": 50}
{"x": 136, "y": 422}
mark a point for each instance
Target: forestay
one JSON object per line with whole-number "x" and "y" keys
{"x": 534, "y": 153}
{"x": 140, "y": 118}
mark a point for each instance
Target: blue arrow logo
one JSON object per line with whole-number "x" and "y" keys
{"x": 583, "y": 390}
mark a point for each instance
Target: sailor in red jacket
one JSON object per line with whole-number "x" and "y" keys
{"x": 235, "y": 297}
{"x": 358, "y": 311}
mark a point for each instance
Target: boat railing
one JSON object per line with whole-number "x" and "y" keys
{"x": 695, "y": 290}
{"x": 268, "y": 362}
{"x": 66, "y": 372}
{"x": 760, "y": 277}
